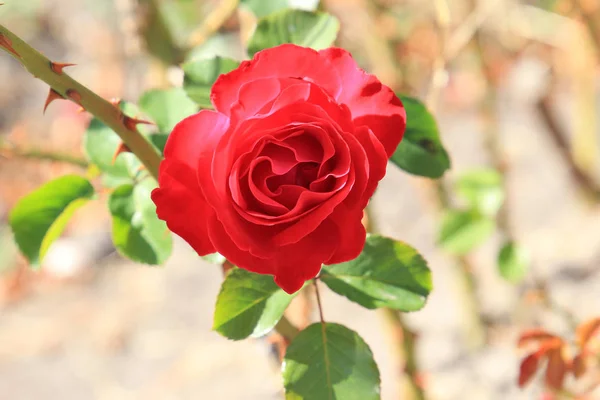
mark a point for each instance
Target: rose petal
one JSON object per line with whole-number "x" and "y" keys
{"x": 194, "y": 136}
{"x": 179, "y": 202}
{"x": 352, "y": 233}
{"x": 230, "y": 250}
{"x": 284, "y": 61}
{"x": 371, "y": 103}
{"x": 376, "y": 157}
{"x": 301, "y": 261}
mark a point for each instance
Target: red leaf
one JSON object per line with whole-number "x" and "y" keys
{"x": 586, "y": 331}
{"x": 534, "y": 335}
{"x": 579, "y": 365}
{"x": 528, "y": 367}
{"x": 556, "y": 370}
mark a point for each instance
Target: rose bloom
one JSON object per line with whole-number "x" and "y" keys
{"x": 277, "y": 177}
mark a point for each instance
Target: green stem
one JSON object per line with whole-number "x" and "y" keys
{"x": 39, "y": 154}
{"x": 474, "y": 326}
{"x": 403, "y": 338}
{"x": 42, "y": 68}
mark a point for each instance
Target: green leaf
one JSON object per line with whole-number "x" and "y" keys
{"x": 39, "y": 218}
{"x": 248, "y": 304}
{"x": 462, "y": 231}
{"x": 387, "y": 273}
{"x": 200, "y": 75}
{"x": 483, "y": 190}
{"x": 262, "y": 8}
{"x": 421, "y": 151}
{"x": 330, "y": 362}
{"x": 137, "y": 232}
{"x": 167, "y": 107}
{"x": 100, "y": 144}
{"x": 214, "y": 258}
{"x": 513, "y": 262}
{"x": 304, "y": 28}
{"x": 226, "y": 44}
{"x": 159, "y": 140}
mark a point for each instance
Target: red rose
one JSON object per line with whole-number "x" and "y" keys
{"x": 276, "y": 179}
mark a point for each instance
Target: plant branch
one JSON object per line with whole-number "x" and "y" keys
{"x": 9, "y": 151}
{"x": 213, "y": 22}
{"x": 62, "y": 85}
{"x": 585, "y": 182}
{"x": 475, "y": 326}
{"x": 590, "y": 22}
{"x": 319, "y": 305}
{"x": 404, "y": 340}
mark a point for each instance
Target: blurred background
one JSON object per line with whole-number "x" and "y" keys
{"x": 514, "y": 87}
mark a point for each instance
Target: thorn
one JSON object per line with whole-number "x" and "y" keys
{"x": 74, "y": 95}
{"x": 7, "y": 44}
{"x": 81, "y": 110}
{"x": 140, "y": 169}
{"x": 131, "y": 123}
{"x": 58, "y": 67}
{"x": 52, "y": 95}
{"x": 121, "y": 149}
{"x": 115, "y": 101}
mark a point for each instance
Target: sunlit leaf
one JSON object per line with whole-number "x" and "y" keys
{"x": 200, "y": 75}
{"x": 462, "y": 231}
{"x": 330, "y": 362}
{"x": 249, "y": 304}
{"x": 483, "y": 189}
{"x": 167, "y": 107}
{"x": 39, "y": 218}
{"x": 421, "y": 151}
{"x": 100, "y": 144}
{"x": 387, "y": 273}
{"x": 137, "y": 232}
{"x": 304, "y": 28}
{"x": 513, "y": 262}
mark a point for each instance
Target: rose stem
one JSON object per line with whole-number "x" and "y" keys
{"x": 590, "y": 21}
{"x": 475, "y": 326}
{"x": 585, "y": 182}
{"x": 66, "y": 87}
{"x": 402, "y": 336}
{"x": 213, "y": 21}
{"x": 319, "y": 305}
{"x": 9, "y": 151}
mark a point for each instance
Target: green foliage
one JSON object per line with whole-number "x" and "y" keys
{"x": 201, "y": 74}
{"x": 39, "y": 218}
{"x": 262, "y": 8}
{"x": 330, "y": 362}
{"x": 304, "y": 28}
{"x": 100, "y": 144}
{"x": 224, "y": 44}
{"x": 421, "y": 151}
{"x": 159, "y": 140}
{"x": 462, "y": 231}
{"x": 387, "y": 273}
{"x": 167, "y": 107}
{"x": 137, "y": 232}
{"x": 483, "y": 190}
{"x": 214, "y": 258}
{"x": 513, "y": 262}
{"x": 249, "y": 304}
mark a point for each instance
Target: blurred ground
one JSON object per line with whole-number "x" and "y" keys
{"x": 93, "y": 326}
